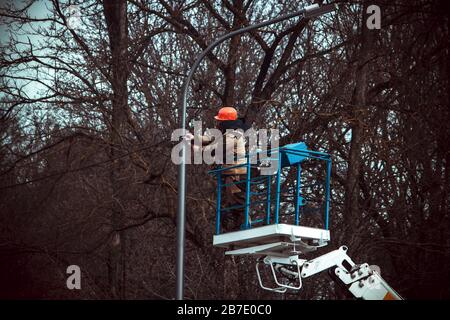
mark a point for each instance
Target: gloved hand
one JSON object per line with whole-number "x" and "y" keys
{"x": 188, "y": 136}
{"x": 196, "y": 148}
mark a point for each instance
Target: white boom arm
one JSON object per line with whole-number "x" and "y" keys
{"x": 362, "y": 281}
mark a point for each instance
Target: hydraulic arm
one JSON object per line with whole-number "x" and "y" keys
{"x": 362, "y": 281}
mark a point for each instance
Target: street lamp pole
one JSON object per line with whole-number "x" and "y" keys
{"x": 307, "y": 12}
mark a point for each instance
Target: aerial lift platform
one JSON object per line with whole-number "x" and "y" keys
{"x": 271, "y": 230}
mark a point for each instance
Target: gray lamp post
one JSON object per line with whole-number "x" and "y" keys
{"x": 307, "y": 12}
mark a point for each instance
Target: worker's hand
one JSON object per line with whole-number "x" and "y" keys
{"x": 196, "y": 148}
{"x": 188, "y": 136}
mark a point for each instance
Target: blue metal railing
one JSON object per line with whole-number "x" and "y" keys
{"x": 288, "y": 156}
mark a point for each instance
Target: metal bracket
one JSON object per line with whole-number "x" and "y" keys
{"x": 279, "y": 289}
{"x": 276, "y": 265}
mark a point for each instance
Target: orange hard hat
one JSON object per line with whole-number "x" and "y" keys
{"x": 227, "y": 113}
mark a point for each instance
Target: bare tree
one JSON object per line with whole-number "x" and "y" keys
{"x": 87, "y": 110}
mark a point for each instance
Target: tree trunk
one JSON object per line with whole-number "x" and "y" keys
{"x": 358, "y": 115}
{"x": 116, "y": 21}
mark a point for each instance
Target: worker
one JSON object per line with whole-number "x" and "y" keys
{"x": 232, "y": 129}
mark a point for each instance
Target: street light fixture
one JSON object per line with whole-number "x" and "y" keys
{"x": 307, "y": 12}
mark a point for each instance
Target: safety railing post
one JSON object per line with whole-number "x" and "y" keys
{"x": 219, "y": 200}
{"x": 297, "y": 194}
{"x": 247, "y": 193}
{"x": 277, "y": 202}
{"x": 269, "y": 181}
{"x": 327, "y": 193}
